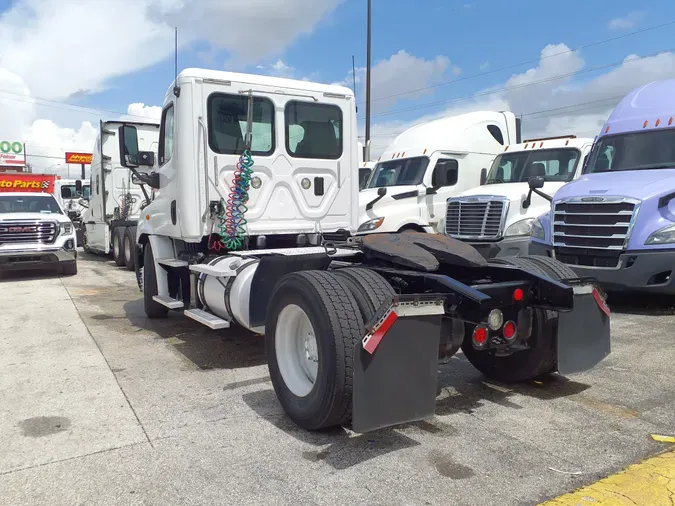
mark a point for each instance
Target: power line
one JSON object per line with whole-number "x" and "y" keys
{"x": 519, "y": 86}
{"x": 536, "y": 60}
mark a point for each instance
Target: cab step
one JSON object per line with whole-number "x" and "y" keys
{"x": 168, "y": 301}
{"x": 214, "y": 270}
{"x": 172, "y": 262}
{"x": 210, "y": 320}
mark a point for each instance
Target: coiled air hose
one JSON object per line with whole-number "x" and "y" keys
{"x": 231, "y": 221}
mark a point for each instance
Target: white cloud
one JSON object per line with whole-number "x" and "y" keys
{"x": 626, "y": 22}
{"x": 393, "y": 78}
{"x": 556, "y": 106}
{"x": 138, "y": 111}
{"x": 57, "y": 49}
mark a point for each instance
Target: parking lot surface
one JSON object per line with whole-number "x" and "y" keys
{"x": 99, "y": 405}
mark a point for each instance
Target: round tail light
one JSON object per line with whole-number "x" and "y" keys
{"x": 509, "y": 330}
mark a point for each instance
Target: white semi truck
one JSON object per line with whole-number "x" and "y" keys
{"x": 73, "y": 201}
{"x": 117, "y": 196}
{"x": 429, "y": 163}
{"x": 497, "y": 218}
{"x": 253, "y": 173}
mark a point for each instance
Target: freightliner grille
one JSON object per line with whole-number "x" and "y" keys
{"x": 478, "y": 218}
{"x": 592, "y": 232}
{"x": 27, "y": 232}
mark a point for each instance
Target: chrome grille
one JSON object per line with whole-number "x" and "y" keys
{"x": 27, "y": 232}
{"x": 479, "y": 218}
{"x": 593, "y": 233}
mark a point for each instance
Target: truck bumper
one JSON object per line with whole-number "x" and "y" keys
{"x": 508, "y": 247}
{"x": 643, "y": 271}
{"x": 36, "y": 259}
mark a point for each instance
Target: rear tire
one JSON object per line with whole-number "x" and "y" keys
{"x": 129, "y": 248}
{"x": 370, "y": 290}
{"x": 320, "y": 298}
{"x": 117, "y": 245}
{"x": 153, "y": 309}
{"x": 541, "y": 357}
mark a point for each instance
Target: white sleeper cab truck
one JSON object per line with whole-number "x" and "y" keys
{"x": 73, "y": 201}
{"x": 365, "y": 172}
{"x": 253, "y": 172}
{"x": 117, "y": 195}
{"x": 427, "y": 164}
{"x": 35, "y": 232}
{"x": 496, "y": 218}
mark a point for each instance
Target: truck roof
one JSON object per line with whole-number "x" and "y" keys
{"x": 647, "y": 107}
{"x": 550, "y": 143}
{"x": 281, "y": 82}
{"x": 443, "y": 134}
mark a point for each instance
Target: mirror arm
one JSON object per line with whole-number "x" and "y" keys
{"x": 543, "y": 195}
{"x": 145, "y": 178}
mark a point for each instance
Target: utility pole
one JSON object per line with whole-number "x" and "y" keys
{"x": 367, "y": 143}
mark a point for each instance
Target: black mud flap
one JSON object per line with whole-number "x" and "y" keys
{"x": 396, "y": 365}
{"x": 584, "y": 332}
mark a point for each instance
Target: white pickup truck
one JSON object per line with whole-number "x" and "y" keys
{"x": 496, "y": 218}
{"x": 35, "y": 232}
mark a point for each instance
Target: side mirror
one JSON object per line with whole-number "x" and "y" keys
{"x": 483, "y": 176}
{"x": 83, "y": 202}
{"x": 146, "y": 158}
{"x": 382, "y": 191}
{"x": 78, "y": 186}
{"x": 535, "y": 183}
{"x": 66, "y": 193}
{"x": 128, "y": 146}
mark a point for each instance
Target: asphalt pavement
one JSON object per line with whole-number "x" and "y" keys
{"x": 99, "y": 405}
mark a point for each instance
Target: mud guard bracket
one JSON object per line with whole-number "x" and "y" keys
{"x": 584, "y": 332}
{"x": 396, "y": 364}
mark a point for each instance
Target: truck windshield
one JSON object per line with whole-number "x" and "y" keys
{"x": 403, "y": 171}
{"x": 29, "y": 204}
{"x": 634, "y": 151}
{"x": 517, "y": 167}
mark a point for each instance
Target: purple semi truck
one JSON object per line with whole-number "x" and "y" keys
{"x": 616, "y": 222}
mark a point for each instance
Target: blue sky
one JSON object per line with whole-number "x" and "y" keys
{"x": 451, "y": 42}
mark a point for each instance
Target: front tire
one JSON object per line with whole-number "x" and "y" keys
{"x": 312, "y": 316}
{"x": 153, "y": 309}
{"x": 541, "y": 357}
{"x": 69, "y": 268}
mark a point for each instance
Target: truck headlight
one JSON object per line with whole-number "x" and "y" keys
{"x": 522, "y": 227}
{"x": 66, "y": 228}
{"x": 666, "y": 235}
{"x": 538, "y": 231}
{"x": 371, "y": 225}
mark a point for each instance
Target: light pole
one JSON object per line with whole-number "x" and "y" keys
{"x": 367, "y": 154}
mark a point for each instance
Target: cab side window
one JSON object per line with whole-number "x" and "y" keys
{"x": 445, "y": 173}
{"x": 166, "y": 135}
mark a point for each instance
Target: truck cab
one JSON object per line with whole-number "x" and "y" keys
{"x": 496, "y": 218}
{"x": 429, "y": 163}
{"x": 117, "y": 196}
{"x": 617, "y": 221}
{"x": 365, "y": 172}
{"x": 73, "y": 201}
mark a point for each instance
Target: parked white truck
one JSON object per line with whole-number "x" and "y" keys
{"x": 117, "y": 197}
{"x": 253, "y": 172}
{"x": 73, "y": 201}
{"x": 35, "y": 232}
{"x": 496, "y": 218}
{"x": 427, "y": 164}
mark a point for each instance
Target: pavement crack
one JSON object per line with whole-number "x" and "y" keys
{"x": 126, "y": 397}
{"x": 67, "y": 459}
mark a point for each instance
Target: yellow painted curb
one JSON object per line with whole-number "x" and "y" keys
{"x": 648, "y": 483}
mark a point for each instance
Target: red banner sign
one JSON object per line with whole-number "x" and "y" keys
{"x": 81, "y": 158}
{"x": 27, "y": 182}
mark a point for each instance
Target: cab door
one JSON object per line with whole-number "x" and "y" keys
{"x": 442, "y": 182}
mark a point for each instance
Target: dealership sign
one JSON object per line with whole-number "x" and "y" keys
{"x": 82, "y": 158}
{"x": 12, "y": 154}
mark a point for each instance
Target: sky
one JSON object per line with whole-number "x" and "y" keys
{"x": 562, "y": 66}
